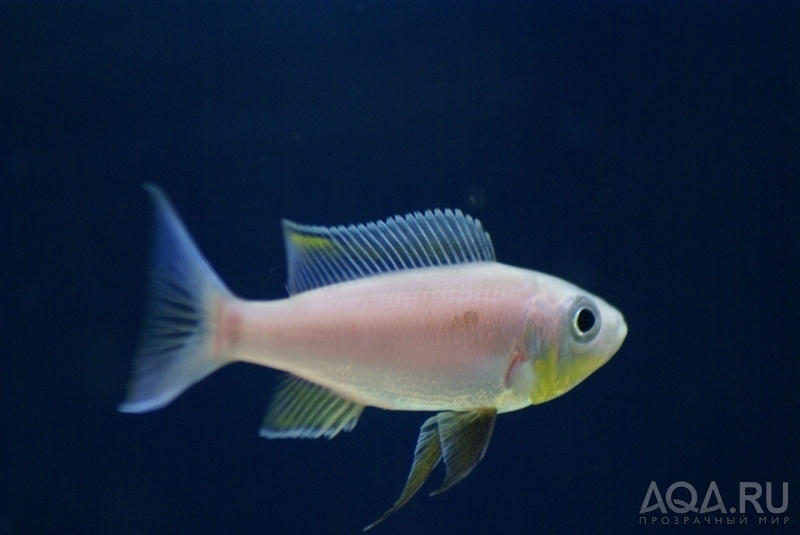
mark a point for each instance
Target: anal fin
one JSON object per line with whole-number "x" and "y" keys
{"x": 302, "y": 409}
{"x": 461, "y": 438}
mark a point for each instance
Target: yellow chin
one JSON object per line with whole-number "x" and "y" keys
{"x": 554, "y": 378}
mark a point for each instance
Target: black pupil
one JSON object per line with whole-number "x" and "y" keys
{"x": 585, "y": 320}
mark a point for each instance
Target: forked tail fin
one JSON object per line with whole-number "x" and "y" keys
{"x": 177, "y": 345}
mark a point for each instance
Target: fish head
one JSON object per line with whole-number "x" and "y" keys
{"x": 570, "y": 334}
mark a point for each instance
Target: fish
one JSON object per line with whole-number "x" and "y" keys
{"x": 410, "y": 313}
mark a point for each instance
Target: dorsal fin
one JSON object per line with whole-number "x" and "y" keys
{"x": 319, "y": 256}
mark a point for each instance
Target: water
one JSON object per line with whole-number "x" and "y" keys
{"x": 646, "y": 152}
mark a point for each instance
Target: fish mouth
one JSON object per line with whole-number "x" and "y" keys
{"x": 620, "y": 332}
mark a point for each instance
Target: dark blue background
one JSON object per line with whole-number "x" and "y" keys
{"x": 647, "y": 151}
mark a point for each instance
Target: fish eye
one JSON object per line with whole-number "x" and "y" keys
{"x": 585, "y": 320}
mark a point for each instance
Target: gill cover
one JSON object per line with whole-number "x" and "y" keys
{"x": 573, "y": 357}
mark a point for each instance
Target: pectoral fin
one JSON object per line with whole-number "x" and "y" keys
{"x": 461, "y": 438}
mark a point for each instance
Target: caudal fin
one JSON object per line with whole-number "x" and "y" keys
{"x": 176, "y": 349}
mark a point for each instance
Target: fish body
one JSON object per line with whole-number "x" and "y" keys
{"x": 432, "y": 339}
{"x": 410, "y": 313}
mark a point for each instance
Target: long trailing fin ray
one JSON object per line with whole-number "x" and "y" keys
{"x": 318, "y": 256}
{"x": 302, "y": 409}
{"x": 427, "y": 455}
{"x": 176, "y": 347}
{"x": 465, "y": 437}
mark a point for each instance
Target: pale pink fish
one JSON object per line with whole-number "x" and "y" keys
{"x": 411, "y": 313}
